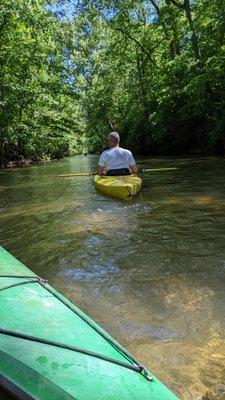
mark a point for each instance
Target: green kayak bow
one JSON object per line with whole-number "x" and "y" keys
{"x": 51, "y": 350}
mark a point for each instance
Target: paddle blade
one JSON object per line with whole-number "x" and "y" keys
{"x": 158, "y": 169}
{"x": 78, "y": 174}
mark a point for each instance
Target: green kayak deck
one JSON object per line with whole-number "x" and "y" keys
{"x": 51, "y": 350}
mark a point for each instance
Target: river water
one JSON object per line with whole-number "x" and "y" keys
{"x": 151, "y": 270}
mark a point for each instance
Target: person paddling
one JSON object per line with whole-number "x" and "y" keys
{"x": 116, "y": 160}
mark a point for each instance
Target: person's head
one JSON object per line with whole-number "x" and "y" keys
{"x": 114, "y": 139}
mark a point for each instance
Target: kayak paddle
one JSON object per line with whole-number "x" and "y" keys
{"x": 140, "y": 170}
{"x": 158, "y": 169}
{"x": 79, "y": 174}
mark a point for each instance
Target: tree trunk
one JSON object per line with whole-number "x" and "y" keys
{"x": 173, "y": 43}
{"x": 194, "y": 37}
{"x": 173, "y": 25}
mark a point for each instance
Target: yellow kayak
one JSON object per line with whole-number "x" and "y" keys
{"x": 118, "y": 186}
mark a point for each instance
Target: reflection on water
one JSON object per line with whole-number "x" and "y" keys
{"x": 151, "y": 270}
{"x": 95, "y": 271}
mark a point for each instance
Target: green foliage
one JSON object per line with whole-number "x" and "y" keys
{"x": 158, "y": 76}
{"x": 39, "y": 115}
{"x": 153, "y": 70}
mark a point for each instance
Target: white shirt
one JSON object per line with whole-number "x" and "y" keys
{"x": 116, "y": 158}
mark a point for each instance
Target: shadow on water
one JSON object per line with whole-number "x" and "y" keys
{"x": 151, "y": 271}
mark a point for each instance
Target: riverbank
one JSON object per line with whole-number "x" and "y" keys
{"x": 26, "y": 162}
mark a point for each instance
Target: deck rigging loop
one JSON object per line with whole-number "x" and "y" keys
{"x": 135, "y": 365}
{"x": 28, "y": 279}
{"x": 146, "y": 374}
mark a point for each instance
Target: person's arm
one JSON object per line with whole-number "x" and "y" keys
{"x": 101, "y": 170}
{"x": 133, "y": 165}
{"x": 134, "y": 169}
{"x": 101, "y": 164}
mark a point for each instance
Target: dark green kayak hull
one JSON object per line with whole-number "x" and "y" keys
{"x": 51, "y": 350}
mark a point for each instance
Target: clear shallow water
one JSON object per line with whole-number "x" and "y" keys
{"x": 150, "y": 270}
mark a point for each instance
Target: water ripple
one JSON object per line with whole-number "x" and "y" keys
{"x": 95, "y": 271}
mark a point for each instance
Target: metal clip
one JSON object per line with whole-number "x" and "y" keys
{"x": 146, "y": 374}
{"x": 41, "y": 280}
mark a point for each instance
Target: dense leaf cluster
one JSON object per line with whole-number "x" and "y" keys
{"x": 72, "y": 70}
{"x": 39, "y": 111}
{"x": 156, "y": 74}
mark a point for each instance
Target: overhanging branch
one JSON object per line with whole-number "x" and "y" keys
{"x": 181, "y": 6}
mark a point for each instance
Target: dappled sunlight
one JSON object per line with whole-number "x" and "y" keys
{"x": 34, "y": 183}
{"x": 160, "y": 343}
{"x": 193, "y": 298}
{"x": 197, "y": 368}
{"x": 187, "y": 201}
{"x": 96, "y": 222}
{"x": 38, "y": 209}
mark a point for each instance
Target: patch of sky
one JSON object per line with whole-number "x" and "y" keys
{"x": 88, "y": 28}
{"x": 65, "y": 9}
{"x": 70, "y": 80}
{"x": 69, "y": 9}
{"x": 151, "y": 14}
{"x": 150, "y": 17}
{"x": 67, "y": 75}
{"x": 134, "y": 15}
{"x": 109, "y": 13}
{"x": 154, "y": 19}
{"x": 51, "y": 59}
